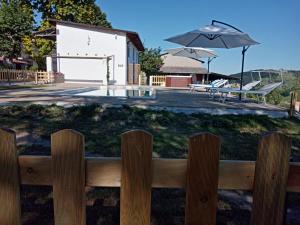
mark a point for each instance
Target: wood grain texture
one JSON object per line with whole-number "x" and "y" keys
{"x": 167, "y": 173}
{"x": 68, "y": 172}
{"x": 10, "y": 206}
{"x": 35, "y": 170}
{"x": 270, "y": 180}
{"x": 136, "y": 178}
{"x": 202, "y": 180}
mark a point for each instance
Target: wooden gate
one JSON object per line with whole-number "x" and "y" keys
{"x": 136, "y": 173}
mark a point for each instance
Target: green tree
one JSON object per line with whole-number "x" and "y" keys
{"x": 16, "y": 21}
{"x": 80, "y": 11}
{"x": 150, "y": 60}
{"x": 38, "y": 48}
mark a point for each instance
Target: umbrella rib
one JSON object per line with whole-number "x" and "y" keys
{"x": 223, "y": 42}
{"x": 193, "y": 40}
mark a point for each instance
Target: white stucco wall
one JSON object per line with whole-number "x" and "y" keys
{"x": 49, "y": 63}
{"x": 79, "y": 42}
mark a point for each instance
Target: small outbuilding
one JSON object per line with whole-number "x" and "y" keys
{"x": 87, "y": 53}
{"x": 182, "y": 71}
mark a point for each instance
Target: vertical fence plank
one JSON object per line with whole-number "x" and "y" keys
{"x": 202, "y": 180}
{"x": 68, "y": 174}
{"x": 10, "y": 206}
{"x": 136, "y": 178}
{"x": 270, "y": 179}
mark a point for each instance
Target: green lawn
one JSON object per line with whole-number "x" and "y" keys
{"x": 102, "y": 129}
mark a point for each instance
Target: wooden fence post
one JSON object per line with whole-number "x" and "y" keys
{"x": 36, "y": 77}
{"x": 202, "y": 180}
{"x": 136, "y": 178}
{"x": 68, "y": 175}
{"x": 293, "y": 103}
{"x": 270, "y": 180}
{"x": 10, "y": 206}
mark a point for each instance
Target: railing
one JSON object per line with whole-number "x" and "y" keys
{"x": 158, "y": 80}
{"x": 136, "y": 173}
{"x": 39, "y": 77}
{"x": 17, "y": 75}
{"x": 142, "y": 79}
{"x": 43, "y": 77}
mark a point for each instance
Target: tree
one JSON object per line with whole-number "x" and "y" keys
{"x": 16, "y": 21}
{"x": 150, "y": 60}
{"x": 38, "y": 48}
{"x": 80, "y": 11}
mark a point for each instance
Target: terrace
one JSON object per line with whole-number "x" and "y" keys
{"x": 176, "y": 100}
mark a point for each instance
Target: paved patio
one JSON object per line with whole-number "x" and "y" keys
{"x": 178, "y": 100}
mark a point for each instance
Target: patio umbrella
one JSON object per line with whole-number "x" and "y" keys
{"x": 194, "y": 52}
{"x": 216, "y": 36}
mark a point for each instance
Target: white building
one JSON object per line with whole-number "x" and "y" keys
{"x": 86, "y": 53}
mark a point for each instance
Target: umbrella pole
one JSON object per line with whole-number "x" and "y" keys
{"x": 208, "y": 62}
{"x": 242, "y": 72}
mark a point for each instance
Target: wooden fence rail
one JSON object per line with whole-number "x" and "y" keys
{"x": 158, "y": 80}
{"x": 11, "y": 75}
{"x": 68, "y": 171}
{"x": 39, "y": 77}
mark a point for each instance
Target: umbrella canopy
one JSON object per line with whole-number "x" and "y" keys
{"x": 216, "y": 36}
{"x": 213, "y": 36}
{"x": 189, "y": 52}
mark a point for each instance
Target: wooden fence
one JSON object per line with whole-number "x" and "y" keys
{"x": 39, "y": 77}
{"x": 142, "y": 79}
{"x": 295, "y": 104}
{"x": 158, "y": 80}
{"x": 136, "y": 173}
{"x": 17, "y": 75}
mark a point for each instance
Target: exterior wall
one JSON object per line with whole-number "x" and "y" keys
{"x": 49, "y": 63}
{"x": 178, "y": 81}
{"x": 79, "y": 42}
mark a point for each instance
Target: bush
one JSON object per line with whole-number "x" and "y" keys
{"x": 275, "y": 97}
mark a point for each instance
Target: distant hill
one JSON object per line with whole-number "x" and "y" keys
{"x": 293, "y": 72}
{"x": 270, "y": 74}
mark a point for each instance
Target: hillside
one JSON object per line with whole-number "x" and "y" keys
{"x": 281, "y": 95}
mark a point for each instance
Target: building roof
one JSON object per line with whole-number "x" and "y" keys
{"x": 181, "y": 65}
{"x": 51, "y": 33}
{"x": 18, "y": 60}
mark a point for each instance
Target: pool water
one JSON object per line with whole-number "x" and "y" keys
{"x": 118, "y": 92}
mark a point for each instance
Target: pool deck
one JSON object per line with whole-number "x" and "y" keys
{"x": 177, "y": 100}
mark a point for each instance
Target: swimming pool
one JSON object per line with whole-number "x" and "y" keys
{"x": 126, "y": 92}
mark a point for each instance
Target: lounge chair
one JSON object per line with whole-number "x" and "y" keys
{"x": 260, "y": 92}
{"x": 267, "y": 89}
{"x": 215, "y": 83}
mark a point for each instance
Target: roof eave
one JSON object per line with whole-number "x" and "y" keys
{"x": 133, "y": 36}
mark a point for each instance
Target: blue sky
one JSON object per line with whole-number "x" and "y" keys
{"x": 273, "y": 23}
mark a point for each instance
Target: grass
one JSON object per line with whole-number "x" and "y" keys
{"x": 102, "y": 129}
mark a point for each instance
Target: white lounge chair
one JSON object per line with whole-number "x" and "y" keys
{"x": 260, "y": 92}
{"x": 216, "y": 83}
{"x": 267, "y": 89}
